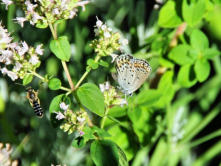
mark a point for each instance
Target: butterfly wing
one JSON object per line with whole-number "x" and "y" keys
{"x": 142, "y": 70}
{"x": 125, "y": 72}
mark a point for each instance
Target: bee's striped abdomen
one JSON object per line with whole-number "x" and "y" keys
{"x": 37, "y": 108}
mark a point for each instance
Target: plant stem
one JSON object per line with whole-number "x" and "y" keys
{"x": 44, "y": 80}
{"x": 206, "y": 138}
{"x": 68, "y": 75}
{"x": 54, "y": 34}
{"x": 86, "y": 73}
{"x": 104, "y": 118}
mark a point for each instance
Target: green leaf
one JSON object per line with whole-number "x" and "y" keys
{"x": 54, "y": 84}
{"x": 166, "y": 89}
{"x": 210, "y": 53}
{"x": 193, "y": 12}
{"x": 169, "y": 17}
{"x": 88, "y": 134}
{"x": 100, "y": 132}
{"x": 103, "y": 63}
{"x": 186, "y": 76}
{"x": 180, "y": 55}
{"x": 92, "y": 98}
{"x": 202, "y": 69}
{"x": 78, "y": 142}
{"x": 166, "y": 63}
{"x": 92, "y": 63}
{"x": 199, "y": 40}
{"x": 148, "y": 97}
{"x": 52, "y": 66}
{"x": 104, "y": 153}
{"x": 122, "y": 157}
{"x": 55, "y": 103}
{"x": 61, "y": 48}
{"x": 27, "y": 79}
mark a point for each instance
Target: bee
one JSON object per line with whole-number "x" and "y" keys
{"x": 34, "y": 101}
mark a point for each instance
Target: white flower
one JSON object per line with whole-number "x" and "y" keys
{"x": 17, "y": 66}
{"x": 124, "y": 42}
{"x": 81, "y": 120}
{"x": 99, "y": 23}
{"x": 104, "y": 87}
{"x": 6, "y": 56}
{"x": 22, "y": 50}
{"x": 72, "y": 13}
{"x": 34, "y": 60}
{"x": 20, "y": 20}
{"x": 123, "y": 102}
{"x": 11, "y": 74}
{"x": 36, "y": 17}
{"x": 63, "y": 106}
{"x": 107, "y": 35}
{"x": 81, "y": 133}
{"x": 7, "y": 3}
{"x": 30, "y": 6}
{"x": 56, "y": 11}
{"x": 25, "y": 47}
{"x": 4, "y": 70}
{"x": 39, "y": 50}
{"x": 82, "y": 4}
{"x": 59, "y": 116}
{"x": 103, "y": 27}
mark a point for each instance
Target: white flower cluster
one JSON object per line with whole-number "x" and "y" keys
{"x": 73, "y": 121}
{"x": 107, "y": 41}
{"x": 5, "y": 155}
{"x": 111, "y": 97}
{"x": 42, "y": 12}
{"x": 16, "y": 59}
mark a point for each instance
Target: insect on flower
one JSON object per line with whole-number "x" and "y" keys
{"x": 34, "y": 101}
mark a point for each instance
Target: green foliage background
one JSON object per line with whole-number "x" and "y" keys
{"x": 173, "y": 119}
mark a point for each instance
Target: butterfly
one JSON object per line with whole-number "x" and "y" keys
{"x": 131, "y": 72}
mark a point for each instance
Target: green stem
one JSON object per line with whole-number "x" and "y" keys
{"x": 206, "y": 138}
{"x": 68, "y": 75}
{"x": 44, "y": 80}
{"x": 200, "y": 126}
{"x": 86, "y": 73}
{"x": 104, "y": 118}
{"x": 54, "y": 34}
{"x": 117, "y": 121}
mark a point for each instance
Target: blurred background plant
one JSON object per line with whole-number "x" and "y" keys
{"x": 173, "y": 119}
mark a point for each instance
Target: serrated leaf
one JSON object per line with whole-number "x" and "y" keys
{"x": 199, "y": 40}
{"x": 104, "y": 153}
{"x": 169, "y": 17}
{"x": 193, "y": 11}
{"x": 61, "y": 48}
{"x": 186, "y": 76}
{"x": 92, "y": 98}
{"x": 55, "y": 103}
{"x": 202, "y": 69}
{"x": 27, "y": 79}
{"x": 180, "y": 55}
{"x": 54, "y": 84}
{"x": 122, "y": 157}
